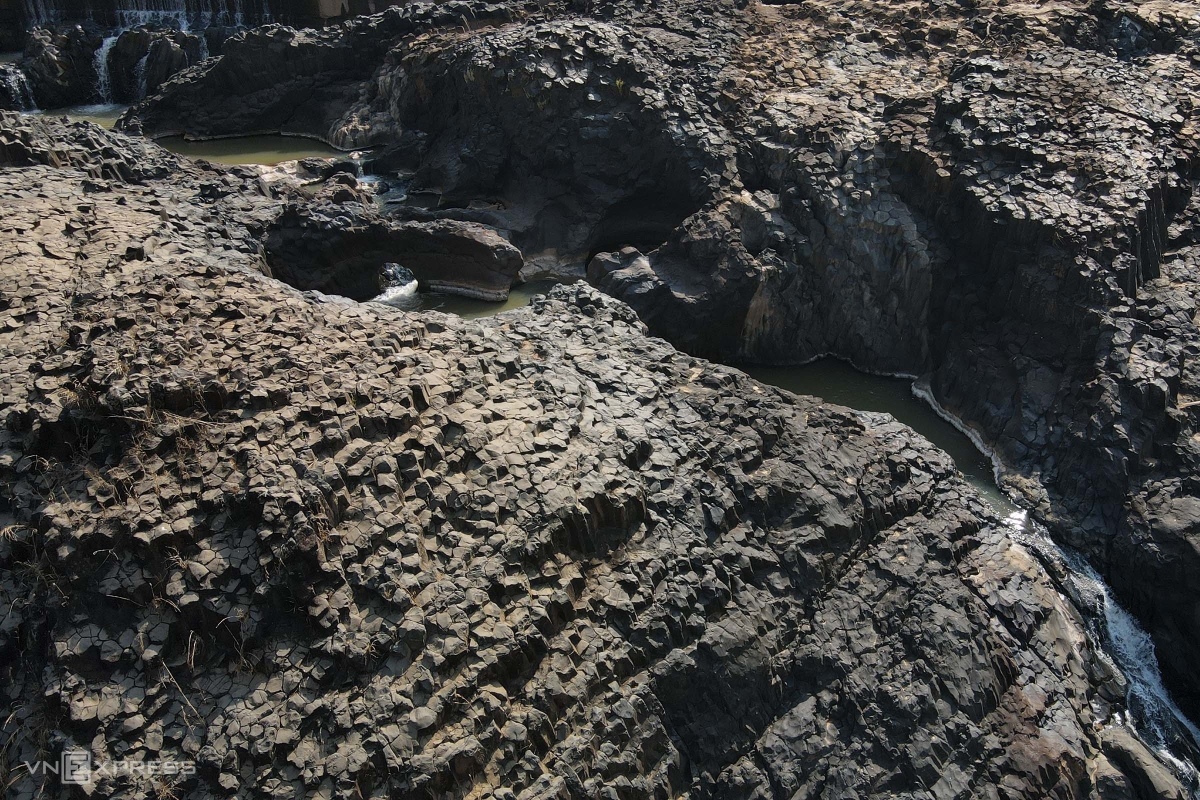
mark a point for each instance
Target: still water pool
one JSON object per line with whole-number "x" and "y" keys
{"x": 267, "y": 149}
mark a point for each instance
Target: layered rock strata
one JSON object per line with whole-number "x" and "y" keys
{"x": 341, "y": 248}
{"x": 322, "y": 548}
{"x": 998, "y": 198}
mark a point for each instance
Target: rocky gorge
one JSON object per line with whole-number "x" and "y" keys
{"x": 322, "y": 547}
{"x": 998, "y": 199}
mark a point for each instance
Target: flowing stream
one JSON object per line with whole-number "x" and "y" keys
{"x": 103, "y": 77}
{"x": 1150, "y": 711}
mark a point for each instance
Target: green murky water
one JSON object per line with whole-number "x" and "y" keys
{"x": 268, "y": 150}
{"x": 840, "y": 383}
{"x": 104, "y": 114}
{"x": 830, "y": 379}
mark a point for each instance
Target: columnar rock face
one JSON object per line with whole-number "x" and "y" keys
{"x": 998, "y": 198}
{"x": 15, "y": 92}
{"x": 61, "y": 67}
{"x": 322, "y": 548}
{"x": 144, "y": 58}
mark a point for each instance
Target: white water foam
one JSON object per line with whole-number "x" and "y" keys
{"x": 402, "y": 296}
{"x": 131, "y": 13}
{"x": 1152, "y": 714}
{"x": 103, "y": 77}
{"x": 922, "y": 391}
{"x": 1116, "y": 635}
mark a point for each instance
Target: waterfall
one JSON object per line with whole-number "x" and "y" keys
{"x": 140, "y": 73}
{"x": 1115, "y": 633}
{"x": 182, "y": 14}
{"x": 400, "y": 289}
{"x": 17, "y": 87}
{"x": 1151, "y": 713}
{"x": 103, "y": 80}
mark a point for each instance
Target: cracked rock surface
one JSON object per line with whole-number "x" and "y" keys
{"x": 997, "y": 197}
{"x": 326, "y": 549}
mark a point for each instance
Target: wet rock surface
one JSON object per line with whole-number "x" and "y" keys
{"x": 15, "y": 92}
{"x": 323, "y": 548}
{"x": 998, "y": 198}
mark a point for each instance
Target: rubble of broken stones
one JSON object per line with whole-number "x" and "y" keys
{"x": 1000, "y": 199}
{"x": 323, "y": 548}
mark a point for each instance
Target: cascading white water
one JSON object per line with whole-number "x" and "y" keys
{"x": 401, "y": 291}
{"x": 18, "y": 88}
{"x": 182, "y": 14}
{"x": 1152, "y": 714}
{"x": 103, "y": 76}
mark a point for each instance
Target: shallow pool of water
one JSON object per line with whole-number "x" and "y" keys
{"x": 830, "y": 379}
{"x": 267, "y": 149}
{"x": 839, "y": 383}
{"x": 103, "y": 114}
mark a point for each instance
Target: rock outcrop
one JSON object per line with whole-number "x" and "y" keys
{"x": 15, "y": 92}
{"x": 144, "y": 58}
{"x": 998, "y": 198}
{"x": 343, "y": 249}
{"x": 322, "y": 548}
{"x": 60, "y": 66}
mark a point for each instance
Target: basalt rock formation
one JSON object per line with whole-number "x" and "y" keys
{"x": 998, "y": 198}
{"x": 144, "y": 58}
{"x": 322, "y": 548}
{"x": 60, "y": 66}
{"x": 339, "y": 244}
{"x": 15, "y": 92}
